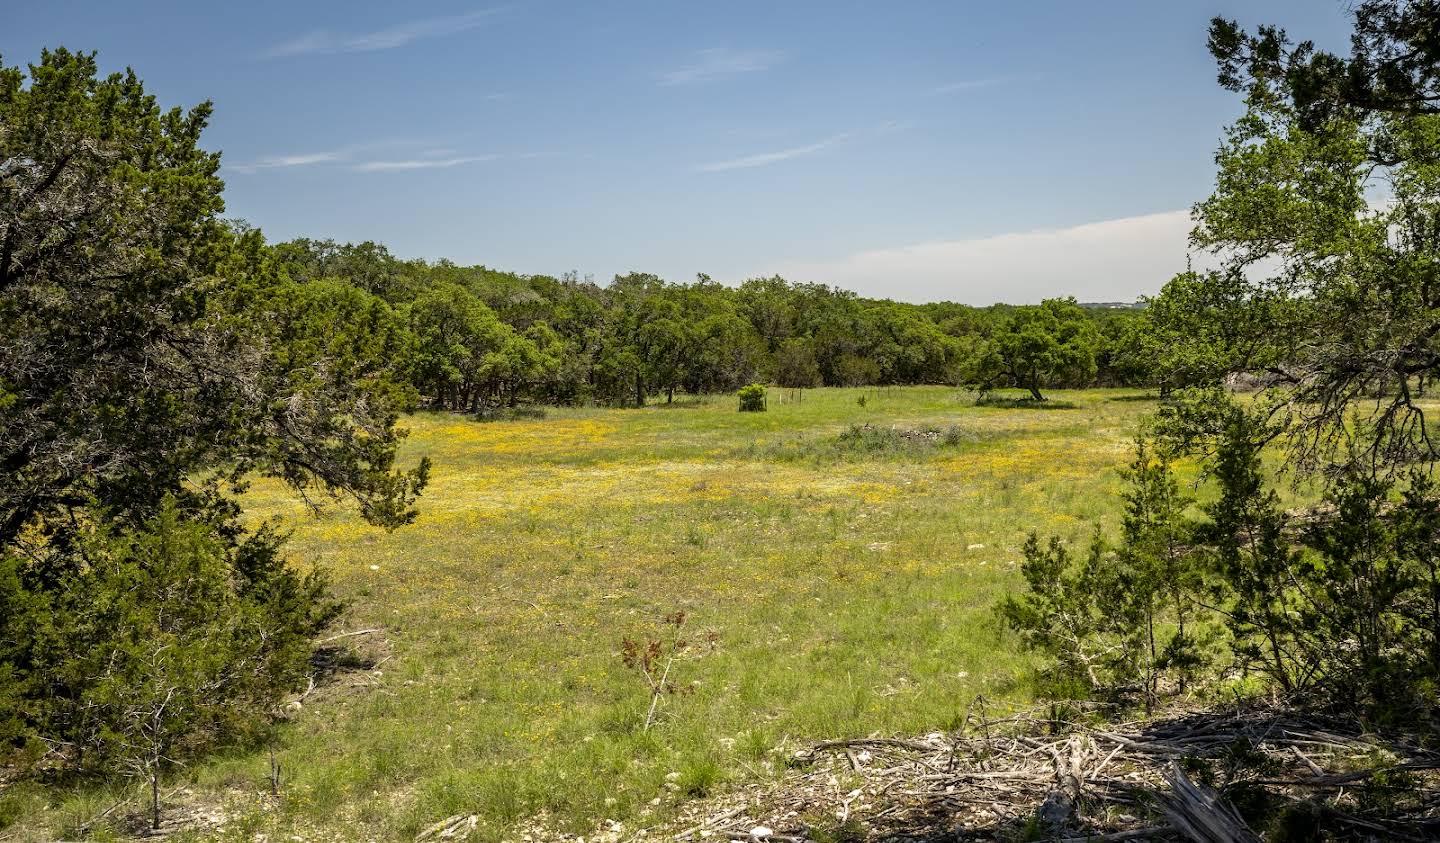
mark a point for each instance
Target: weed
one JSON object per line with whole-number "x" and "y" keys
{"x": 654, "y": 658}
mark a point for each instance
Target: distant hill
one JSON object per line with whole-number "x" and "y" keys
{"x": 1113, "y": 305}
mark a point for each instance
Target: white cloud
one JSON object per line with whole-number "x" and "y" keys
{"x": 419, "y": 163}
{"x": 278, "y": 161}
{"x": 764, "y": 158}
{"x": 968, "y": 85}
{"x": 381, "y": 39}
{"x": 719, "y": 63}
{"x": 1115, "y": 260}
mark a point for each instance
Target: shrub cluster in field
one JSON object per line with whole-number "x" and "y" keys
{"x": 1324, "y": 304}
{"x": 864, "y": 442}
{"x": 166, "y": 641}
{"x": 1338, "y": 607}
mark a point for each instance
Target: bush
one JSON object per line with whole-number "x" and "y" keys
{"x": 752, "y": 398}
{"x": 1124, "y": 618}
{"x": 869, "y": 439}
{"x": 137, "y": 648}
{"x": 1336, "y": 608}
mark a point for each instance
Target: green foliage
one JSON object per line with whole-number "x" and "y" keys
{"x": 141, "y": 646}
{"x": 152, "y": 359}
{"x": 1392, "y": 67}
{"x": 1341, "y": 608}
{"x": 1124, "y": 616}
{"x": 870, "y": 440}
{"x": 1068, "y": 615}
{"x": 1195, "y": 332}
{"x": 752, "y": 398}
{"x": 468, "y": 359}
{"x": 1337, "y": 607}
{"x": 867, "y": 442}
{"x": 1325, "y": 301}
{"x": 142, "y": 339}
{"x": 1051, "y": 344}
{"x": 795, "y": 365}
{"x": 1159, "y": 581}
{"x": 566, "y": 341}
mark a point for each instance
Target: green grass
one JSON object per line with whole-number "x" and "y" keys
{"x": 849, "y": 585}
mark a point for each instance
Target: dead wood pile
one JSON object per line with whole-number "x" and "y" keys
{"x": 1190, "y": 776}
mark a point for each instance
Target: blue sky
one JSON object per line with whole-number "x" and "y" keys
{"x": 968, "y": 151}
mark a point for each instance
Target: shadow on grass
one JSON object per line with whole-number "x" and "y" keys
{"x": 1025, "y": 404}
{"x": 1142, "y": 397}
{"x": 693, "y": 403}
{"x": 494, "y": 414}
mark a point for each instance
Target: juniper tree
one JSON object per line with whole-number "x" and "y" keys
{"x": 1061, "y": 617}
{"x": 1122, "y": 614}
{"x": 151, "y": 359}
{"x": 1159, "y": 578}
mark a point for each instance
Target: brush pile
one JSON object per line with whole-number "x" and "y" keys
{"x": 1202, "y": 776}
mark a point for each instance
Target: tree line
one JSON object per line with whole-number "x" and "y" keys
{"x": 471, "y": 338}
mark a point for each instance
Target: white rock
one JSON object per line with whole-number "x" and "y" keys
{"x": 760, "y": 832}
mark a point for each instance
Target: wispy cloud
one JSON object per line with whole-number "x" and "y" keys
{"x": 278, "y": 161}
{"x": 720, "y": 63}
{"x": 360, "y": 158}
{"x": 764, "y": 158}
{"x": 419, "y": 163}
{"x": 321, "y": 42}
{"x": 968, "y": 85}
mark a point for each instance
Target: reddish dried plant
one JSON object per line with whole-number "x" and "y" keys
{"x": 653, "y": 659}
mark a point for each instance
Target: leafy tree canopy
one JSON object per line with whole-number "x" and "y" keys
{"x": 1324, "y": 217}
{"x": 1051, "y": 344}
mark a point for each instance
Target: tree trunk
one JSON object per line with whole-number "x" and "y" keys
{"x": 1035, "y": 393}
{"x": 155, "y": 798}
{"x": 670, "y": 395}
{"x": 639, "y": 391}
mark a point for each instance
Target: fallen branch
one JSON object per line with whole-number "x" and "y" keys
{"x": 348, "y": 635}
{"x": 1200, "y": 814}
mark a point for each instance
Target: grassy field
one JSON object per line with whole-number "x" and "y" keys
{"x": 847, "y": 580}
